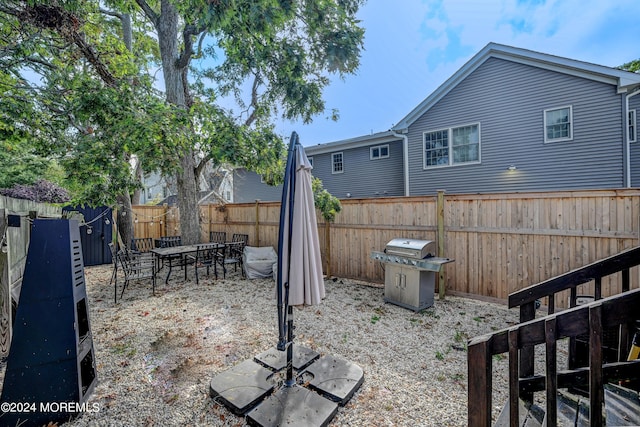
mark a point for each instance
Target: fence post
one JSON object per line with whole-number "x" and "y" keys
{"x": 165, "y": 212}
{"x": 440, "y": 221}
{"x": 257, "y": 222}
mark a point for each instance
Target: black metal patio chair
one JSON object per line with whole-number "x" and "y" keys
{"x": 208, "y": 255}
{"x": 217, "y": 236}
{"x": 142, "y": 244}
{"x": 234, "y": 251}
{"x": 135, "y": 267}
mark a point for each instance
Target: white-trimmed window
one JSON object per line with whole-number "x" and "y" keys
{"x": 633, "y": 132}
{"x": 337, "y": 163}
{"x": 452, "y": 146}
{"x": 379, "y": 152}
{"x": 558, "y": 124}
{"x": 310, "y": 160}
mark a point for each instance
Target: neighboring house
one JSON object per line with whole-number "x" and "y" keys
{"x": 249, "y": 186}
{"x": 368, "y": 166}
{"x": 216, "y": 186}
{"x": 562, "y": 124}
{"x": 155, "y": 188}
{"x": 510, "y": 119}
{"x": 375, "y": 169}
{"x": 371, "y": 166}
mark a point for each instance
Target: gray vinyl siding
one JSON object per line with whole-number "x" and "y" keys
{"x": 634, "y": 103}
{"x": 362, "y": 177}
{"x": 508, "y": 100}
{"x": 247, "y": 188}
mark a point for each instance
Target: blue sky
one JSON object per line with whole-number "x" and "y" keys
{"x": 413, "y": 46}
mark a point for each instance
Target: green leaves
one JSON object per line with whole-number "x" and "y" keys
{"x": 71, "y": 90}
{"x": 328, "y": 205}
{"x": 633, "y": 66}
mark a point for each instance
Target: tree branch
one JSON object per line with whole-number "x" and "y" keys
{"x": 148, "y": 11}
{"x": 254, "y": 100}
{"x": 187, "y": 34}
{"x": 201, "y": 165}
{"x": 90, "y": 55}
{"x": 66, "y": 24}
{"x": 111, "y": 13}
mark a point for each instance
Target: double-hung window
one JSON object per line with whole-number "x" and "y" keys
{"x": 558, "y": 124}
{"x": 633, "y": 133}
{"x": 379, "y": 152}
{"x": 452, "y": 146}
{"x": 337, "y": 163}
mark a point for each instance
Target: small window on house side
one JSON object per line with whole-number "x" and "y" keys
{"x": 379, "y": 152}
{"x": 632, "y": 126}
{"x": 310, "y": 161}
{"x": 558, "y": 124}
{"x": 337, "y": 163}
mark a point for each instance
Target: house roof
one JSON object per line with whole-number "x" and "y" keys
{"x": 623, "y": 80}
{"x": 360, "y": 141}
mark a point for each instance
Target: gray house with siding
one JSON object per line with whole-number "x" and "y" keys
{"x": 516, "y": 120}
{"x": 509, "y": 120}
{"x": 248, "y": 187}
{"x": 368, "y": 166}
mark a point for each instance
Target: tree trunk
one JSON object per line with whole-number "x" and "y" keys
{"x": 135, "y": 197}
{"x": 167, "y": 27}
{"x": 188, "y": 201}
{"x": 124, "y": 223}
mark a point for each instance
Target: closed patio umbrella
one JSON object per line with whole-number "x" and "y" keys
{"x": 329, "y": 381}
{"x": 299, "y": 280}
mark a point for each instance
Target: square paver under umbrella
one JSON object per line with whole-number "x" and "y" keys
{"x": 242, "y": 387}
{"x": 293, "y": 406}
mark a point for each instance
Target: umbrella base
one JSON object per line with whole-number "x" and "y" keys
{"x": 322, "y": 385}
{"x": 293, "y": 406}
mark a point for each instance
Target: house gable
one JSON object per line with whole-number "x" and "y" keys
{"x": 623, "y": 80}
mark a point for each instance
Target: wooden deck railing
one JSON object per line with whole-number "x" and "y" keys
{"x": 526, "y": 299}
{"x": 589, "y": 320}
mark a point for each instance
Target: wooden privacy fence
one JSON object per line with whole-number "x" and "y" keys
{"x": 500, "y": 242}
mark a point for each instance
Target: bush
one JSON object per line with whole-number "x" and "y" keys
{"x": 40, "y": 191}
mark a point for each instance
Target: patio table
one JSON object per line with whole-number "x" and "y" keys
{"x": 175, "y": 252}
{"x": 170, "y": 254}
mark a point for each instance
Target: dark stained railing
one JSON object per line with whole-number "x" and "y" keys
{"x": 590, "y": 320}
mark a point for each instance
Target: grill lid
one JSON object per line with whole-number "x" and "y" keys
{"x": 411, "y": 248}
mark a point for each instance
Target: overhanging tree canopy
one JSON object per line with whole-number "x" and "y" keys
{"x": 272, "y": 57}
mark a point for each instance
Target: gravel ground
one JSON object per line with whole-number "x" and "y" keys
{"x": 155, "y": 355}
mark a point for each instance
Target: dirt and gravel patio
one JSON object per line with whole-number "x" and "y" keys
{"x": 155, "y": 355}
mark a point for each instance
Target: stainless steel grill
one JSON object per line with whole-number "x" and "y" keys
{"x": 410, "y": 272}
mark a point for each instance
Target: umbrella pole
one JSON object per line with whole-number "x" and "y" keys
{"x": 289, "y": 381}
{"x": 287, "y": 200}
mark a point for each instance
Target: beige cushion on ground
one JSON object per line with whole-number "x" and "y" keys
{"x": 258, "y": 261}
